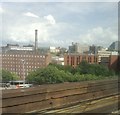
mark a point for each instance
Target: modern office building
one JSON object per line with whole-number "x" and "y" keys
{"x": 78, "y": 48}
{"x": 94, "y": 49}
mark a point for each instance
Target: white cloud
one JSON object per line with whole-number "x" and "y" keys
{"x": 31, "y": 15}
{"x": 50, "y": 19}
{"x": 26, "y": 33}
{"x": 99, "y": 36}
{"x": 1, "y": 9}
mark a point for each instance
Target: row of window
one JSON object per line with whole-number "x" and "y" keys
{"x": 7, "y": 58}
{"x": 27, "y": 63}
{"x": 28, "y": 66}
{"x": 42, "y": 56}
{"x": 72, "y": 62}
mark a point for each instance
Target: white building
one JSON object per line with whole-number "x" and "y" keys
{"x": 58, "y": 60}
{"x": 105, "y": 53}
{"x": 54, "y": 49}
{"x": 13, "y": 47}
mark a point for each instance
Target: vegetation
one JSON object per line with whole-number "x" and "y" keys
{"x": 58, "y": 73}
{"x": 6, "y": 76}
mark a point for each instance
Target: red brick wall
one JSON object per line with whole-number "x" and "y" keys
{"x": 74, "y": 60}
{"x": 13, "y": 62}
{"x": 113, "y": 63}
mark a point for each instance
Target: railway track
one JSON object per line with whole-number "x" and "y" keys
{"x": 107, "y": 105}
{"x": 91, "y": 96}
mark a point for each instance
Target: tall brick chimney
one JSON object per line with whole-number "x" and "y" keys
{"x": 36, "y": 40}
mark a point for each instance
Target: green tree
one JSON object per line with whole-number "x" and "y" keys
{"x": 83, "y": 68}
{"x": 94, "y": 69}
{"x": 15, "y": 76}
{"x": 58, "y": 73}
{"x": 5, "y": 75}
{"x": 66, "y": 68}
{"x": 50, "y": 74}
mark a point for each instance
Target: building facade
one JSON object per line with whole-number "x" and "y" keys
{"x": 103, "y": 54}
{"x": 75, "y": 59}
{"x": 58, "y": 60}
{"x": 22, "y": 62}
{"x": 115, "y": 46}
{"x": 12, "y": 47}
{"x": 112, "y": 61}
{"x": 78, "y": 48}
{"x": 94, "y": 49}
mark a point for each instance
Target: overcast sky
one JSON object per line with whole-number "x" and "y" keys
{"x": 59, "y": 24}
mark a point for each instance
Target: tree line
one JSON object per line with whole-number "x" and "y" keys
{"x": 54, "y": 73}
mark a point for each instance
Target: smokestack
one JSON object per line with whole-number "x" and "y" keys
{"x": 36, "y": 40}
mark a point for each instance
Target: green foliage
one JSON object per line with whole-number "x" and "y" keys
{"x": 83, "y": 68}
{"x": 58, "y": 73}
{"x": 94, "y": 69}
{"x": 15, "y": 76}
{"x": 66, "y": 68}
{"x": 5, "y": 76}
{"x": 49, "y": 74}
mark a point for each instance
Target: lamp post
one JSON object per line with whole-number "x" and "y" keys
{"x": 23, "y": 70}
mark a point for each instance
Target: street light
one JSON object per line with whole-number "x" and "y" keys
{"x": 23, "y": 70}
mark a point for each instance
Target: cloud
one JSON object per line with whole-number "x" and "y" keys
{"x": 99, "y": 36}
{"x": 72, "y": 23}
{"x": 31, "y": 15}
{"x": 50, "y": 19}
{"x": 1, "y": 9}
{"x": 26, "y": 33}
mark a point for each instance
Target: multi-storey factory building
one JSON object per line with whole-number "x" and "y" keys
{"x": 22, "y": 62}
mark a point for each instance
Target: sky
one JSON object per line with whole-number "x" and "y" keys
{"x": 59, "y": 23}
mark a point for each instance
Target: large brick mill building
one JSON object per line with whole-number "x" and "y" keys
{"x": 19, "y": 61}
